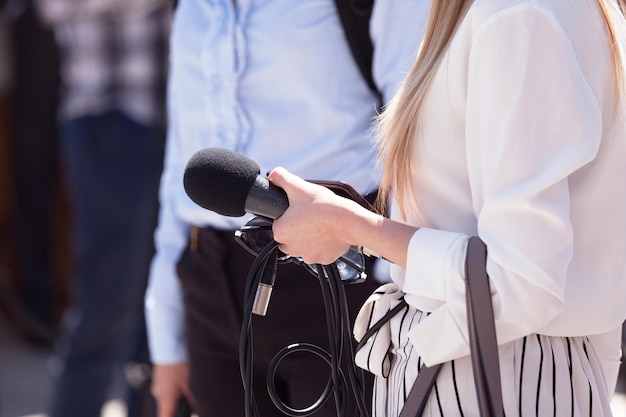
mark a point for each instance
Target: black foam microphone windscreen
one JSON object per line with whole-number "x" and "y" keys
{"x": 229, "y": 183}
{"x": 220, "y": 180}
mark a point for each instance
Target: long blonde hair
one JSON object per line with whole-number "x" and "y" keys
{"x": 396, "y": 127}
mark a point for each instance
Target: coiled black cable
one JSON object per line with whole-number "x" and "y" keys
{"x": 340, "y": 344}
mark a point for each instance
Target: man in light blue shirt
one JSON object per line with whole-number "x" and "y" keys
{"x": 276, "y": 81}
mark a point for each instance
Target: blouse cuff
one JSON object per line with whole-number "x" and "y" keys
{"x": 440, "y": 337}
{"x": 435, "y": 283}
{"x": 166, "y": 336}
{"x": 429, "y": 265}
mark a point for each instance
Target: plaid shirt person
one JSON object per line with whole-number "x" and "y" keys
{"x": 114, "y": 57}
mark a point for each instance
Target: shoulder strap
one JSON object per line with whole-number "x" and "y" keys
{"x": 418, "y": 396}
{"x": 483, "y": 343}
{"x": 355, "y": 19}
{"x": 482, "y": 331}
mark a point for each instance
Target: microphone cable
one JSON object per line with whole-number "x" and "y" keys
{"x": 339, "y": 335}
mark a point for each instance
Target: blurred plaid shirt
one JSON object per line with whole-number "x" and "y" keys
{"x": 114, "y": 57}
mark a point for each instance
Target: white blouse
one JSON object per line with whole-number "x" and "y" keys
{"x": 521, "y": 144}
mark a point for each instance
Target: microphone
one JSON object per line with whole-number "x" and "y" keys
{"x": 230, "y": 184}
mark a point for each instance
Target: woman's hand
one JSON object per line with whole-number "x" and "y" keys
{"x": 314, "y": 225}
{"x": 319, "y": 226}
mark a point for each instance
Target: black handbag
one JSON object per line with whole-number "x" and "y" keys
{"x": 483, "y": 343}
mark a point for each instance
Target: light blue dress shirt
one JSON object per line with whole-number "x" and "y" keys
{"x": 274, "y": 80}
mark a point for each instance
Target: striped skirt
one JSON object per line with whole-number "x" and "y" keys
{"x": 541, "y": 376}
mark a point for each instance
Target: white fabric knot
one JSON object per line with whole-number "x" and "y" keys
{"x": 373, "y": 356}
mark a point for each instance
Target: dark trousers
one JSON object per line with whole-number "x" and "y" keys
{"x": 113, "y": 166}
{"x": 213, "y": 274}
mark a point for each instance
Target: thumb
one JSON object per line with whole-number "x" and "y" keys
{"x": 282, "y": 178}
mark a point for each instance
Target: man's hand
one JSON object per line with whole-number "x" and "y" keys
{"x": 169, "y": 384}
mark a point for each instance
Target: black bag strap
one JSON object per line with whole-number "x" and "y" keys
{"x": 483, "y": 343}
{"x": 482, "y": 331}
{"x": 355, "y": 19}
{"x": 418, "y": 397}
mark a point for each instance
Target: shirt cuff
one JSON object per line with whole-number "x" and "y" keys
{"x": 440, "y": 337}
{"x": 434, "y": 282}
{"x": 166, "y": 336}
{"x": 434, "y": 257}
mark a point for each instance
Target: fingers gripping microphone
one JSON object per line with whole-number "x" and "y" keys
{"x": 230, "y": 184}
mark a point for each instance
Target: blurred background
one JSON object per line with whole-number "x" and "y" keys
{"x": 35, "y": 219}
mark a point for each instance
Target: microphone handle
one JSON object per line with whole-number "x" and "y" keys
{"x": 265, "y": 199}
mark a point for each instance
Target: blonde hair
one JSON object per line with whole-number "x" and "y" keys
{"x": 396, "y": 127}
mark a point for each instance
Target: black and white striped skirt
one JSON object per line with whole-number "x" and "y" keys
{"x": 541, "y": 376}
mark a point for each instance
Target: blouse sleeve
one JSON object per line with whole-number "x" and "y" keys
{"x": 531, "y": 121}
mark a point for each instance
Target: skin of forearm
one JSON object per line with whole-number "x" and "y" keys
{"x": 385, "y": 237}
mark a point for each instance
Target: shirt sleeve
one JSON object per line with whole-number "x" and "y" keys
{"x": 164, "y": 299}
{"x": 531, "y": 121}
